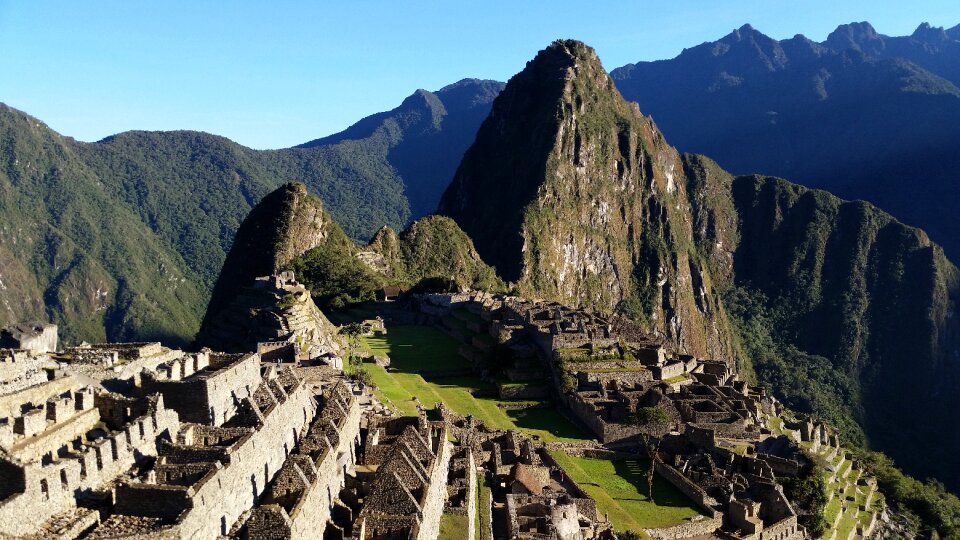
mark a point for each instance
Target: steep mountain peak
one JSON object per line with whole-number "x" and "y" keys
{"x": 574, "y": 196}
{"x": 858, "y": 36}
{"x": 928, "y": 33}
{"x": 422, "y": 99}
{"x": 747, "y": 31}
{"x": 285, "y": 224}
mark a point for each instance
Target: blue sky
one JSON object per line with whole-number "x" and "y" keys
{"x": 273, "y": 74}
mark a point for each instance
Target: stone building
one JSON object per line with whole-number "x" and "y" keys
{"x": 209, "y": 476}
{"x": 298, "y": 503}
{"x": 39, "y": 337}
{"x": 20, "y": 368}
{"x": 56, "y": 451}
{"x": 205, "y": 387}
{"x": 399, "y": 488}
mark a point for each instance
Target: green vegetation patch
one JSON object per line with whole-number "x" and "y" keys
{"x": 620, "y": 489}
{"x": 413, "y": 349}
{"x": 452, "y": 527}
{"x": 483, "y": 508}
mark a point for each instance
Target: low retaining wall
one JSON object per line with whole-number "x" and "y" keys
{"x": 687, "y": 487}
{"x": 690, "y": 529}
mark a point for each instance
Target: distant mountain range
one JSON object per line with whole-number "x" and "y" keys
{"x": 863, "y": 115}
{"x": 124, "y": 238}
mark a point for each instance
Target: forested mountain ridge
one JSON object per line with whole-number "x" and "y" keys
{"x": 188, "y": 192}
{"x": 847, "y": 313}
{"x": 863, "y": 115}
{"x": 74, "y": 255}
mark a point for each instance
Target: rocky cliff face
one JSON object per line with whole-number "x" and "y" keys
{"x": 571, "y": 193}
{"x": 285, "y": 224}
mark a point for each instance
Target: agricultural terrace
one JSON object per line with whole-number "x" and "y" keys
{"x": 620, "y": 489}
{"x": 425, "y": 364}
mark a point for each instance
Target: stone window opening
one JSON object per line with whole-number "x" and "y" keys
{"x": 63, "y": 479}
{"x": 44, "y": 489}
{"x": 223, "y": 525}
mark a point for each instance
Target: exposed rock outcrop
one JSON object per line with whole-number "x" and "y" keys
{"x": 272, "y": 309}
{"x": 285, "y": 224}
{"x": 245, "y": 309}
{"x": 573, "y": 194}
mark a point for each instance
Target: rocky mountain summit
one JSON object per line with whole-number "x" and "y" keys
{"x": 575, "y": 196}
{"x": 245, "y": 309}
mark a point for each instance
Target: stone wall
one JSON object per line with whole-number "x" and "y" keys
{"x": 436, "y": 495}
{"x": 11, "y": 404}
{"x": 210, "y": 395}
{"x": 462, "y": 488}
{"x": 35, "y": 336}
{"x": 687, "y": 487}
{"x": 217, "y": 500}
{"x": 49, "y": 488}
{"x": 322, "y": 481}
{"x": 785, "y": 529}
{"x": 132, "y": 350}
{"x": 43, "y": 431}
{"x": 20, "y": 369}
{"x": 700, "y": 527}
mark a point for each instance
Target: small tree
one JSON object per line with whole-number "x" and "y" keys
{"x": 650, "y": 419}
{"x": 361, "y": 375}
{"x": 352, "y": 332}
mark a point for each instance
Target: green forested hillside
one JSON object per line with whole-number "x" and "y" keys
{"x": 845, "y": 312}
{"x": 433, "y": 250}
{"x": 71, "y": 253}
{"x": 102, "y": 213}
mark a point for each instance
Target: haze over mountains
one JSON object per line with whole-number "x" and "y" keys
{"x": 864, "y": 115}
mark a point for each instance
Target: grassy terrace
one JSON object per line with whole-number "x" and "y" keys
{"x": 452, "y": 527}
{"x": 415, "y": 349}
{"x": 620, "y": 489}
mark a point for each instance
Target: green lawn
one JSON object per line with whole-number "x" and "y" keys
{"x": 483, "y": 509}
{"x": 452, "y": 527}
{"x": 620, "y": 489}
{"x": 421, "y": 348}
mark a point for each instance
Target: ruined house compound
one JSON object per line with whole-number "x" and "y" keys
{"x": 139, "y": 441}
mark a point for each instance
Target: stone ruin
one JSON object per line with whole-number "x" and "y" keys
{"x": 273, "y": 313}
{"x": 38, "y": 337}
{"x": 399, "y": 488}
{"x": 134, "y": 440}
{"x": 139, "y": 441}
